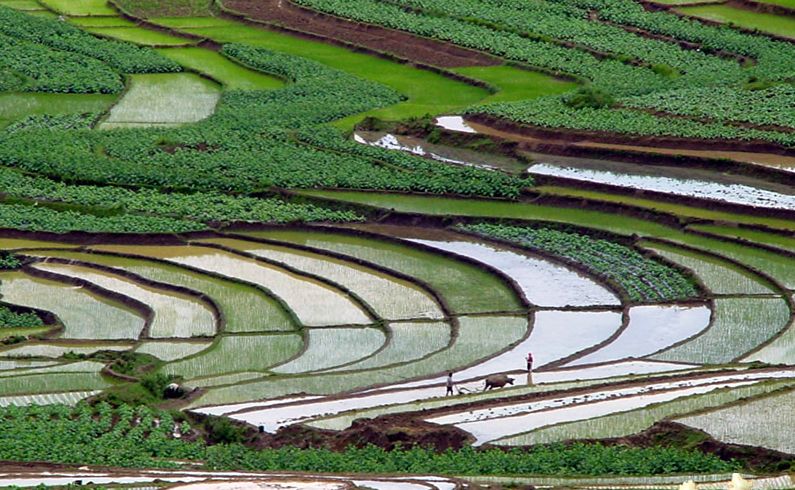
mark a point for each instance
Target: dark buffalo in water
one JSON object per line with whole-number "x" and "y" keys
{"x": 498, "y": 381}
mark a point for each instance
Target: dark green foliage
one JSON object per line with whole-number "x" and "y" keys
{"x": 131, "y": 437}
{"x": 9, "y": 261}
{"x": 54, "y": 122}
{"x": 577, "y": 459}
{"x": 121, "y": 56}
{"x": 100, "y": 435}
{"x": 293, "y": 150}
{"x": 221, "y": 430}
{"x": 49, "y": 70}
{"x": 588, "y": 97}
{"x": 155, "y": 383}
{"x": 11, "y": 319}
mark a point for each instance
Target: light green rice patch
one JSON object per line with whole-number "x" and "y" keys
{"x": 390, "y": 297}
{"x": 25, "y": 5}
{"x": 172, "y": 350}
{"x": 245, "y": 308}
{"x": 719, "y": 276}
{"x": 171, "y": 98}
{"x": 55, "y": 350}
{"x": 226, "y": 379}
{"x": 634, "y": 421}
{"x": 72, "y": 367}
{"x": 466, "y": 288}
{"x": 85, "y": 315}
{"x": 755, "y": 236}
{"x": 142, "y": 36}
{"x": 220, "y": 68}
{"x": 14, "y": 106}
{"x": 330, "y": 347}
{"x": 515, "y": 83}
{"x": 779, "y": 351}
{"x": 52, "y": 383}
{"x": 781, "y": 25}
{"x": 80, "y": 7}
{"x": 739, "y": 326}
{"x": 69, "y": 398}
{"x": 23, "y": 364}
{"x": 232, "y": 354}
{"x": 187, "y": 22}
{"x": 175, "y": 314}
{"x": 409, "y": 342}
{"x": 765, "y": 422}
{"x": 101, "y": 22}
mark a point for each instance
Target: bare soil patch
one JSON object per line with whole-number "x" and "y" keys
{"x": 399, "y": 44}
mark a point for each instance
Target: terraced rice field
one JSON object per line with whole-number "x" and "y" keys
{"x": 442, "y": 223}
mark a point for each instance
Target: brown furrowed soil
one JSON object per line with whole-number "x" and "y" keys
{"x": 400, "y": 44}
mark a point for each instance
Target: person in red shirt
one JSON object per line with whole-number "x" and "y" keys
{"x": 529, "y": 368}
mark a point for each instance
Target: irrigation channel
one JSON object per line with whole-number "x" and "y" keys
{"x": 310, "y": 215}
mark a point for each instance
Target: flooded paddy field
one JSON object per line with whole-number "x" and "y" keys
{"x": 396, "y": 245}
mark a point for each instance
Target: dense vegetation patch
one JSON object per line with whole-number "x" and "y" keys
{"x": 255, "y": 141}
{"x": 121, "y": 56}
{"x": 642, "y": 278}
{"x": 606, "y": 44}
{"x": 143, "y": 437}
{"x": 42, "y": 69}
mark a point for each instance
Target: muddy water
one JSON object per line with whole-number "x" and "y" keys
{"x": 660, "y": 180}
{"x": 786, "y": 163}
{"x": 442, "y": 153}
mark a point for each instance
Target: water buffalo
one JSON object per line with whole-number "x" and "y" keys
{"x": 498, "y": 381}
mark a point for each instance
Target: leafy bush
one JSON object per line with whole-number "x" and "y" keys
{"x": 588, "y": 97}
{"x": 9, "y": 261}
{"x": 221, "y": 430}
{"x": 11, "y": 319}
{"x": 155, "y": 383}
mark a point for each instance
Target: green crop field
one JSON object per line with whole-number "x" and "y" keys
{"x": 396, "y": 244}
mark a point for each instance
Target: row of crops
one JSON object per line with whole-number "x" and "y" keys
{"x": 139, "y": 437}
{"x": 555, "y": 112}
{"x": 566, "y": 23}
{"x": 356, "y": 301}
{"x": 676, "y": 81}
{"x": 60, "y": 36}
{"x": 643, "y": 278}
{"x": 215, "y": 157}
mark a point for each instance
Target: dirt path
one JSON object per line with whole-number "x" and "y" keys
{"x": 400, "y": 44}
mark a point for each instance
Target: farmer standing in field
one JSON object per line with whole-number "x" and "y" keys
{"x": 529, "y": 368}
{"x": 449, "y": 384}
